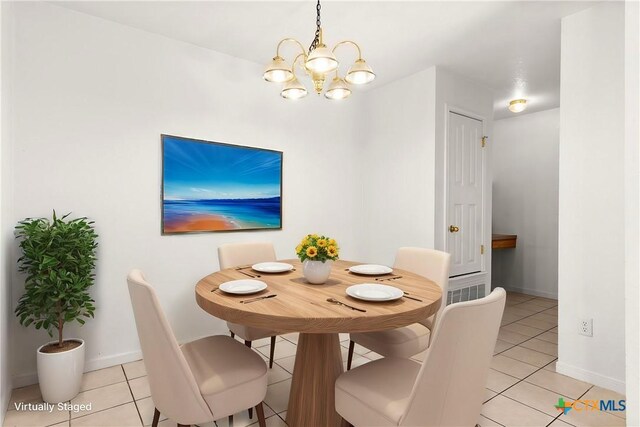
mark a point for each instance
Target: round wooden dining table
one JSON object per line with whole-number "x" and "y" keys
{"x": 299, "y": 306}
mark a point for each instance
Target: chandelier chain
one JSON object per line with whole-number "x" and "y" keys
{"x": 316, "y": 39}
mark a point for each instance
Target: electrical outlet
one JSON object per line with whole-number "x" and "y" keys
{"x": 586, "y": 327}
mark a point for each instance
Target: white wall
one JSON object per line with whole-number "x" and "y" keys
{"x": 397, "y": 147}
{"x": 632, "y": 209}
{"x": 525, "y": 202}
{"x": 591, "y": 267}
{"x": 6, "y": 313}
{"x": 91, "y": 99}
{"x": 402, "y": 137}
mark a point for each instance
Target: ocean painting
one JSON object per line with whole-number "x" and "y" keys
{"x": 210, "y": 186}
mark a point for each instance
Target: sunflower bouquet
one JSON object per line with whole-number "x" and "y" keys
{"x": 317, "y": 248}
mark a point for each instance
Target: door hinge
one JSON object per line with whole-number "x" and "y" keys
{"x": 484, "y": 141}
{"x": 481, "y": 249}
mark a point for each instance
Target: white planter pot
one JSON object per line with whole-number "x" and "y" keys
{"x": 60, "y": 374}
{"x": 316, "y": 272}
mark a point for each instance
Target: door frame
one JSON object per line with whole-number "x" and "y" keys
{"x": 485, "y": 269}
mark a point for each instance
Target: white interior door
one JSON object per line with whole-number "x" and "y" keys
{"x": 464, "y": 202}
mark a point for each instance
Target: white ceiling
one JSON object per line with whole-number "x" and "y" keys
{"x": 512, "y": 47}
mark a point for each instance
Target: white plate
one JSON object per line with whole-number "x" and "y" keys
{"x": 272, "y": 267}
{"x": 374, "y": 292}
{"x": 243, "y": 286}
{"x": 370, "y": 269}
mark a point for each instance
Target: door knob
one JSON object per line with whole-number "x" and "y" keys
{"x": 453, "y": 229}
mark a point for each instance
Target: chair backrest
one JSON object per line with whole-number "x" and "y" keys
{"x": 236, "y": 254}
{"x": 429, "y": 263}
{"x": 450, "y": 387}
{"x": 173, "y": 388}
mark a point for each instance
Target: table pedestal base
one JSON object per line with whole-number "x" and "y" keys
{"x": 312, "y": 397}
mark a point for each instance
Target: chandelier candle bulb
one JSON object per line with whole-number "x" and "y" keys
{"x": 318, "y": 61}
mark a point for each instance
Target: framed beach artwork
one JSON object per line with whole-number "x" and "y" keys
{"x": 211, "y": 186}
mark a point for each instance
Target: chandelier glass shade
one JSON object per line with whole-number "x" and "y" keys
{"x": 318, "y": 62}
{"x": 293, "y": 89}
{"x": 277, "y": 71}
{"x": 517, "y": 105}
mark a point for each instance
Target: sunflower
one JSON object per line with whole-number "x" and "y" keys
{"x": 332, "y": 251}
{"x": 298, "y": 248}
{"x": 322, "y": 243}
{"x": 312, "y": 251}
{"x": 332, "y": 242}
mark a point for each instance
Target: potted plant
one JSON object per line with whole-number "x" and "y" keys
{"x": 317, "y": 253}
{"x": 58, "y": 258}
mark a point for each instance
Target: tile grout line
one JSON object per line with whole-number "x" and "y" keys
{"x": 528, "y": 339}
{"x": 560, "y": 414}
{"x": 105, "y": 385}
{"x": 526, "y": 317}
{"x": 521, "y": 380}
{"x": 102, "y": 410}
{"x": 132, "y": 396}
{"x": 493, "y": 421}
{"x": 538, "y": 370}
{"x": 517, "y": 345}
{"x": 531, "y": 407}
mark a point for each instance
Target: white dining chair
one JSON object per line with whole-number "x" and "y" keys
{"x": 233, "y": 255}
{"x": 200, "y": 381}
{"x": 413, "y": 339}
{"x": 448, "y": 389}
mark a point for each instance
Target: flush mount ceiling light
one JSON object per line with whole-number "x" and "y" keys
{"x": 517, "y": 105}
{"x": 317, "y": 62}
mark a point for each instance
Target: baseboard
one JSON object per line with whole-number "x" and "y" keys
{"x": 23, "y": 380}
{"x": 590, "y": 377}
{"x": 533, "y": 292}
{"x": 5, "y": 396}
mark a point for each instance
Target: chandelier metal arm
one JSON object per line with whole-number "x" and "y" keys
{"x": 351, "y": 43}
{"x": 293, "y": 64}
{"x": 304, "y": 52}
{"x": 318, "y": 62}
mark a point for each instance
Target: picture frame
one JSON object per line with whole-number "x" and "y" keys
{"x": 210, "y": 186}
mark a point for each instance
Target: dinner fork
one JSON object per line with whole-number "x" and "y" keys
{"x": 335, "y": 301}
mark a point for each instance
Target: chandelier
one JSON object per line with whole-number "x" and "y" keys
{"x": 318, "y": 62}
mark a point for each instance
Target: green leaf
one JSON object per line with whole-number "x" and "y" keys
{"x": 57, "y": 259}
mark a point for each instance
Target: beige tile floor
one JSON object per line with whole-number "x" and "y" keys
{"x": 522, "y": 387}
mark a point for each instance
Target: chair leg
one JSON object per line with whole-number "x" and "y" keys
{"x": 250, "y": 411}
{"x": 350, "y": 357}
{"x": 230, "y": 420}
{"x": 232, "y": 334}
{"x": 260, "y": 412}
{"x": 247, "y": 343}
{"x": 156, "y": 418}
{"x": 273, "y": 348}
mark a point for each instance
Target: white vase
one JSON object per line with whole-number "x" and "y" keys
{"x": 316, "y": 272}
{"x": 60, "y": 374}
